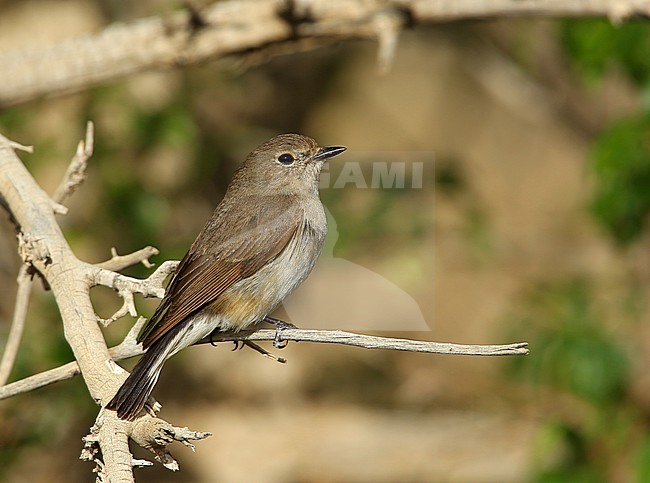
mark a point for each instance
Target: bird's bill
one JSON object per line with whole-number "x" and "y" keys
{"x": 327, "y": 152}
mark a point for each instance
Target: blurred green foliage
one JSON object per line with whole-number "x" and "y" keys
{"x": 562, "y": 455}
{"x": 620, "y": 159}
{"x": 595, "y": 45}
{"x": 577, "y": 354}
{"x": 584, "y": 368}
{"x": 574, "y": 351}
{"x": 642, "y": 469}
{"x": 621, "y": 166}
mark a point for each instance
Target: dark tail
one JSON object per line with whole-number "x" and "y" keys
{"x": 132, "y": 396}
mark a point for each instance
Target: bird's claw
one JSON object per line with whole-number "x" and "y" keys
{"x": 278, "y": 343}
{"x": 280, "y": 325}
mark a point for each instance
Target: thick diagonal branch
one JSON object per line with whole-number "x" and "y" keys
{"x": 74, "y": 176}
{"x": 44, "y": 248}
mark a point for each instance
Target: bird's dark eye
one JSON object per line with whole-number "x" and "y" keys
{"x": 286, "y": 159}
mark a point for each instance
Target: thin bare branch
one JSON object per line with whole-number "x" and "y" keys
{"x": 371, "y": 342}
{"x": 120, "y": 262}
{"x": 76, "y": 172}
{"x": 130, "y": 348}
{"x": 19, "y": 147}
{"x": 41, "y": 379}
{"x": 17, "y": 325}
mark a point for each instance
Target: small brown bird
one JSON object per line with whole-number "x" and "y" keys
{"x": 261, "y": 242}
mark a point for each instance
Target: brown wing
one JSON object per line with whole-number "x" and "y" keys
{"x": 226, "y": 251}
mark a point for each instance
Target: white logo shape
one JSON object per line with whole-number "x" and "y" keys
{"x": 339, "y": 294}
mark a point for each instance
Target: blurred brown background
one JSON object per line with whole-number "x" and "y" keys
{"x": 510, "y": 238}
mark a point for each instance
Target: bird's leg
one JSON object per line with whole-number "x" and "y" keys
{"x": 280, "y": 325}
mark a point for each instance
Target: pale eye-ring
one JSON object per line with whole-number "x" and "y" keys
{"x": 286, "y": 159}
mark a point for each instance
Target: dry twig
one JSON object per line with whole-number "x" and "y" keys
{"x": 130, "y": 348}
{"x": 75, "y": 175}
{"x": 17, "y": 325}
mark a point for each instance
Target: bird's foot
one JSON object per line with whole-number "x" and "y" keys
{"x": 238, "y": 344}
{"x": 280, "y": 325}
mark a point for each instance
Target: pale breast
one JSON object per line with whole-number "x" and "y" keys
{"x": 249, "y": 300}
